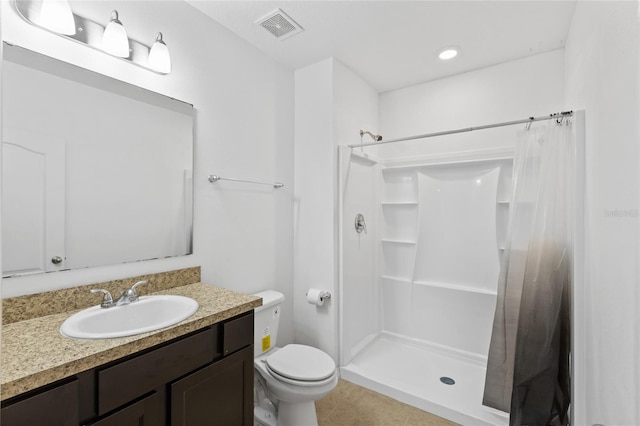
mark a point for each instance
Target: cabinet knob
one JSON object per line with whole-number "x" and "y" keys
{"x": 56, "y": 260}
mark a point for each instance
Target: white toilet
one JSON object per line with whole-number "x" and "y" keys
{"x": 288, "y": 380}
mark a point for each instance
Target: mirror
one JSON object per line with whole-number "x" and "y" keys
{"x": 94, "y": 171}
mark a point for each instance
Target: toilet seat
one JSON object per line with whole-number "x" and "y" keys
{"x": 299, "y": 383}
{"x": 301, "y": 365}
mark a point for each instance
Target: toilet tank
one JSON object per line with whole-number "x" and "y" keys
{"x": 266, "y": 320}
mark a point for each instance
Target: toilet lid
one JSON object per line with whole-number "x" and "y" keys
{"x": 301, "y": 362}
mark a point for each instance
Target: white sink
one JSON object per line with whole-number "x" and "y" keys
{"x": 148, "y": 313}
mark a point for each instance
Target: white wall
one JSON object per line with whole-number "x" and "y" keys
{"x": 314, "y": 258}
{"x": 603, "y": 77}
{"x": 331, "y": 105}
{"x": 355, "y": 106}
{"x": 244, "y": 129}
{"x": 509, "y": 91}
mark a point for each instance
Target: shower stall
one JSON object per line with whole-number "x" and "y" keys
{"x": 418, "y": 282}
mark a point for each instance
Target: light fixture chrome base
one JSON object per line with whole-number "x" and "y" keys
{"x": 88, "y": 33}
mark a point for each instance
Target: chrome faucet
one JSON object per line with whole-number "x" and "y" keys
{"x": 127, "y": 296}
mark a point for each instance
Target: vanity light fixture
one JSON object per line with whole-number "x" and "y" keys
{"x": 56, "y": 15}
{"x": 448, "y": 53}
{"x": 159, "y": 58}
{"x": 114, "y": 38}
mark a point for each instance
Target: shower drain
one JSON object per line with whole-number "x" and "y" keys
{"x": 447, "y": 380}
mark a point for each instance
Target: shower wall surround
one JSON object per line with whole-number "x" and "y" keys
{"x": 361, "y": 294}
{"x": 418, "y": 290}
{"x": 443, "y": 229}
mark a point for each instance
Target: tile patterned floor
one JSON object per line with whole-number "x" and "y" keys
{"x": 352, "y": 405}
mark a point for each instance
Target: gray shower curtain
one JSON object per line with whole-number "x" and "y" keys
{"x": 528, "y": 363}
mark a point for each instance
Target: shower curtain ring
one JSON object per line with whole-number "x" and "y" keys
{"x": 528, "y": 126}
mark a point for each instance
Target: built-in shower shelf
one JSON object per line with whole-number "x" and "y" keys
{"x": 384, "y": 240}
{"x": 503, "y": 202}
{"x": 397, "y": 279}
{"x": 368, "y": 158}
{"x": 399, "y": 203}
{"x": 458, "y": 287}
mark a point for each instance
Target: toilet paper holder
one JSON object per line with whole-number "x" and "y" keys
{"x": 323, "y": 295}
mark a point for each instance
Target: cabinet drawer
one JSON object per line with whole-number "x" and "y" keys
{"x": 146, "y": 412}
{"x": 57, "y": 406}
{"x": 237, "y": 333}
{"x": 131, "y": 379}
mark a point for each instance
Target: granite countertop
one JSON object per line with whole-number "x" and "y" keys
{"x": 34, "y": 353}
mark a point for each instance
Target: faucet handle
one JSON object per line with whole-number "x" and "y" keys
{"x": 131, "y": 293}
{"x": 107, "y": 300}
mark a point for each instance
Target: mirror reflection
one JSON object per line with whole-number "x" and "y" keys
{"x": 94, "y": 171}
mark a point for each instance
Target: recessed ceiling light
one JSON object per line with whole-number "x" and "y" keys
{"x": 448, "y": 53}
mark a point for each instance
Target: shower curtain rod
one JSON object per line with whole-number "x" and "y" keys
{"x": 557, "y": 116}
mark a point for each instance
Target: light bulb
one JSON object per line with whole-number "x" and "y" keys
{"x": 114, "y": 38}
{"x": 56, "y": 15}
{"x": 159, "y": 58}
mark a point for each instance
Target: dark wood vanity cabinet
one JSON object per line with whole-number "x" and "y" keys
{"x": 204, "y": 378}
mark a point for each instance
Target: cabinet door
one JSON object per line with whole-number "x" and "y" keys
{"x": 53, "y": 407}
{"x": 126, "y": 381}
{"x": 146, "y": 412}
{"x": 219, "y": 394}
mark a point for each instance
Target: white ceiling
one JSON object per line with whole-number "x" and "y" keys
{"x": 393, "y": 44}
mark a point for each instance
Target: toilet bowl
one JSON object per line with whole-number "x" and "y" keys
{"x": 289, "y": 379}
{"x": 296, "y": 393}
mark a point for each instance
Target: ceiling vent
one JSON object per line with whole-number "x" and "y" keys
{"x": 279, "y": 24}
